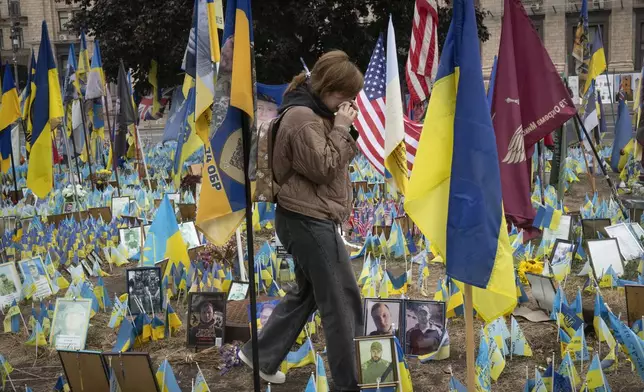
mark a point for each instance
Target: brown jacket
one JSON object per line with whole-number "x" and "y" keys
{"x": 316, "y": 155}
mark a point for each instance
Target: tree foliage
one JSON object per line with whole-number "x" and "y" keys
{"x": 284, "y": 30}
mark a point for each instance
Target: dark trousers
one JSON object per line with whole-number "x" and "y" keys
{"x": 325, "y": 280}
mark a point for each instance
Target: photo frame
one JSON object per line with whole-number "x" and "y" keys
{"x": 629, "y": 246}
{"x": 383, "y": 317}
{"x": 87, "y": 267}
{"x": 634, "y": 303}
{"x": 10, "y": 286}
{"x": 33, "y": 270}
{"x": 175, "y": 198}
{"x": 543, "y": 290}
{"x": 68, "y": 208}
{"x": 95, "y": 257}
{"x": 189, "y": 234}
{"x": 120, "y": 206}
{"x": 263, "y": 312}
{"x": 70, "y": 323}
{"x": 132, "y": 239}
{"x": 376, "y": 361}
{"x": 144, "y": 289}
{"x": 590, "y": 227}
{"x": 560, "y": 249}
{"x": 424, "y": 321}
{"x": 603, "y": 254}
{"x": 238, "y": 291}
{"x": 163, "y": 265}
{"x": 85, "y": 370}
{"x": 637, "y": 230}
{"x": 563, "y": 232}
{"x": 206, "y": 319}
{"x": 133, "y": 371}
{"x": 10, "y": 223}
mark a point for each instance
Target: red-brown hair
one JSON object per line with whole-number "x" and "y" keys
{"x": 332, "y": 73}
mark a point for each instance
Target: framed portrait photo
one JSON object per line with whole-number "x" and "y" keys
{"x": 120, "y": 206}
{"x": 189, "y": 234}
{"x": 131, "y": 238}
{"x": 383, "y": 317}
{"x": 33, "y": 270}
{"x": 174, "y": 197}
{"x": 206, "y": 318}
{"x": 376, "y": 361}
{"x": 144, "y": 289}
{"x": 424, "y": 326}
{"x": 563, "y": 232}
{"x": 264, "y": 310}
{"x": 238, "y": 291}
{"x": 590, "y": 228}
{"x": 543, "y": 290}
{"x": 563, "y": 250}
{"x": 10, "y": 286}
{"x": 629, "y": 245}
{"x": 70, "y": 323}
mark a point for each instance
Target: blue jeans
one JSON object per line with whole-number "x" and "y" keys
{"x": 325, "y": 280}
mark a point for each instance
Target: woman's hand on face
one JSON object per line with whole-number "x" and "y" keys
{"x": 346, "y": 115}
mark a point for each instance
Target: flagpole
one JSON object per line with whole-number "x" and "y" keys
{"x": 73, "y": 145}
{"x": 601, "y": 165}
{"x": 89, "y": 154}
{"x": 591, "y": 177}
{"x": 469, "y": 338}
{"x": 251, "y": 252}
{"x": 109, "y": 124}
{"x": 15, "y": 178}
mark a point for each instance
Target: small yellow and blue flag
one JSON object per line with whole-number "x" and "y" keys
{"x": 454, "y": 195}
{"x": 518, "y": 343}
{"x": 403, "y": 369}
{"x": 595, "y": 378}
{"x": 200, "y": 383}
{"x": 164, "y": 239}
{"x": 172, "y": 321}
{"x": 597, "y": 64}
{"x": 482, "y": 369}
{"x": 47, "y": 110}
{"x": 61, "y": 385}
{"x": 5, "y": 369}
{"x": 37, "y": 337}
{"x": 310, "y": 386}
{"x": 322, "y": 385}
{"x": 12, "y": 318}
{"x": 567, "y": 369}
{"x": 166, "y": 379}
{"x": 125, "y": 338}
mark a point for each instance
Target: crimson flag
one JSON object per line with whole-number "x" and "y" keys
{"x": 530, "y": 101}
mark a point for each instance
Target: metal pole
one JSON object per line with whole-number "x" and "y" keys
{"x": 13, "y": 169}
{"x": 251, "y": 253}
{"x": 74, "y": 147}
{"x": 601, "y": 165}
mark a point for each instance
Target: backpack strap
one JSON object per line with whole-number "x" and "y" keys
{"x": 274, "y": 130}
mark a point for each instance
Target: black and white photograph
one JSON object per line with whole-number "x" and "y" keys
{"x": 10, "y": 287}
{"x": 131, "y": 238}
{"x": 144, "y": 289}
{"x": 424, "y": 326}
{"x": 382, "y": 317}
{"x": 70, "y": 323}
{"x": 376, "y": 361}
{"x": 207, "y": 319}
{"x": 120, "y": 206}
{"x": 238, "y": 291}
{"x": 189, "y": 234}
{"x": 562, "y": 251}
{"x": 33, "y": 270}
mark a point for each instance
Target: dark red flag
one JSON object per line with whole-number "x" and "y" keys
{"x": 530, "y": 101}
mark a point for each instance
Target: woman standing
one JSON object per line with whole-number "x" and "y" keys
{"x": 314, "y": 146}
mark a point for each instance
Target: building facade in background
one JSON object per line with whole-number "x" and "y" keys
{"x": 621, "y": 23}
{"x": 20, "y": 29}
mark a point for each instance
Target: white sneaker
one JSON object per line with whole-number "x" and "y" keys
{"x": 277, "y": 378}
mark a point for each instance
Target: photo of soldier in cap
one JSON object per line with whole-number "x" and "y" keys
{"x": 70, "y": 323}
{"x": 10, "y": 287}
{"x": 144, "y": 289}
{"x": 206, "y": 315}
{"x": 376, "y": 359}
{"x": 424, "y": 326}
{"x": 34, "y": 272}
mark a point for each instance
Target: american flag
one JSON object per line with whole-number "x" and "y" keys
{"x": 422, "y": 62}
{"x": 371, "y": 119}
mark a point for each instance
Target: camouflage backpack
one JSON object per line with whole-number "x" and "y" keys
{"x": 261, "y": 161}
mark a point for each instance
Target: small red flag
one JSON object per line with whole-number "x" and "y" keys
{"x": 530, "y": 101}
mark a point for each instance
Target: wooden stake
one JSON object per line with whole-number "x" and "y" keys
{"x": 469, "y": 338}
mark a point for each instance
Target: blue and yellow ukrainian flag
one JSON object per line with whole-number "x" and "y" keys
{"x": 164, "y": 239}
{"x": 9, "y": 113}
{"x": 83, "y": 64}
{"x": 454, "y": 195}
{"x": 96, "y": 77}
{"x": 26, "y": 99}
{"x": 187, "y": 140}
{"x": 597, "y": 64}
{"x": 47, "y": 114}
{"x": 322, "y": 385}
{"x": 165, "y": 378}
{"x": 223, "y": 194}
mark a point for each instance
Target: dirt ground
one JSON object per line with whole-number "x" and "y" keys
{"x": 40, "y": 373}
